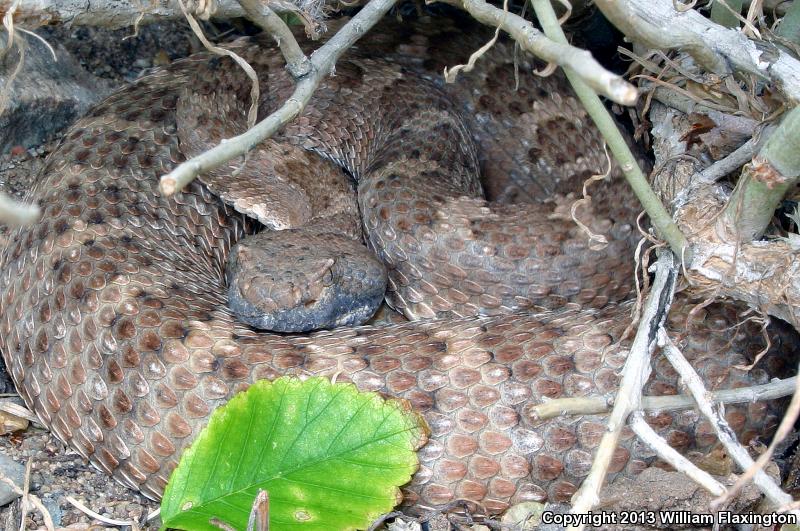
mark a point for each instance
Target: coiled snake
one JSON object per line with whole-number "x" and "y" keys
{"x": 112, "y": 308}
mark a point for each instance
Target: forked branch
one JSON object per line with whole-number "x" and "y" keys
{"x": 322, "y": 64}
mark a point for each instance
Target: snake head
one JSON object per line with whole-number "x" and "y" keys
{"x": 293, "y": 281}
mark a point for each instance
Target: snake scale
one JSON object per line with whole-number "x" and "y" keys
{"x": 113, "y": 320}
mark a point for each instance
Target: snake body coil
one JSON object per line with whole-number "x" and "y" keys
{"x": 112, "y": 308}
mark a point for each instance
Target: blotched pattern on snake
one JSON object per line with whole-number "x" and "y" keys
{"x": 113, "y": 318}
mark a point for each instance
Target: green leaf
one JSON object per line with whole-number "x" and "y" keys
{"x": 724, "y": 14}
{"x": 329, "y": 456}
{"x": 291, "y": 19}
{"x": 789, "y": 27}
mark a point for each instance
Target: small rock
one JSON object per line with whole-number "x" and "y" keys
{"x": 33, "y": 445}
{"x": 401, "y": 524}
{"x": 10, "y": 423}
{"x": 45, "y": 96}
{"x": 13, "y": 471}
{"x": 54, "y": 509}
{"x": 17, "y": 151}
{"x": 524, "y": 516}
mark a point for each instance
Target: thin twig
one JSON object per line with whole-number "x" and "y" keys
{"x": 110, "y": 521}
{"x": 322, "y": 63}
{"x": 749, "y": 28}
{"x": 26, "y": 488}
{"x": 738, "y": 158}
{"x": 688, "y": 105}
{"x": 685, "y": 93}
{"x": 657, "y": 443}
{"x": 634, "y": 375}
{"x": 154, "y": 514}
{"x": 33, "y": 499}
{"x": 599, "y": 405}
{"x": 532, "y": 40}
{"x": 122, "y": 13}
{"x": 712, "y": 412}
{"x": 297, "y": 64}
{"x": 259, "y": 513}
{"x": 786, "y": 425}
{"x": 244, "y": 65}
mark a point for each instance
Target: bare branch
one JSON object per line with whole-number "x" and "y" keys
{"x": 297, "y": 63}
{"x": 657, "y": 24}
{"x": 532, "y": 40}
{"x": 732, "y": 162}
{"x": 725, "y": 434}
{"x": 659, "y": 216}
{"x": 598, "y": 405}
{"x": 764, "y": 274}
{"x": 119, "y": 13}
{"x": 786, "y": 426}
{"x": 322, "y": 63}
{"x": 634, "y": 375}
{"x": 764, "y": 182}
{"x": 643, "y": 430}
{"x": 728, "y": 122}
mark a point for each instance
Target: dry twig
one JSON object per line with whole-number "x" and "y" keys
{"x": 532, "y": 40}
{"x": 322, "y": 63}
{"x": 297, "y": 64}
{"x": 657, "y": 24}
{"x": 244, "y": 65}
{"x": 598, "y": 405}
{"x": 634, "y": 375}
{"x": 120, "y": 13}
{"x": 97, "y": 516}
{"x": 786, "y": 425}
{"x": 712, "y": 412}
{"x": 659, "y": 216}
{"x": 645, "y": 433}
{"x": 29, "y": 498}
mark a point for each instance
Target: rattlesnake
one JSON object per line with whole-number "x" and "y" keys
{"x": 112, "y": 308}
